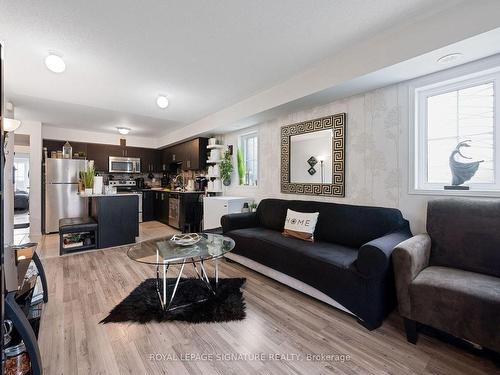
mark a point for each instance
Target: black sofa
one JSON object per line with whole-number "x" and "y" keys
{"x": 350, "y": 260}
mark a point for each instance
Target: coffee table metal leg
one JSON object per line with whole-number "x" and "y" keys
{"x": 196, "y": 268}
{"x": 164, "y": 293}
{"x": 205, "y": 279}
{"x": 216, "y": 260}
{"x": 165, "y": 271}
{"x": 176, "y": 284}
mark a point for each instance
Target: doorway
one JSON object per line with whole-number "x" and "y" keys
{"x": 21, "y": 188}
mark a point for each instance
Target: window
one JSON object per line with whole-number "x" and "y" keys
{"x": 249, "y": 144}
{"x": 456, "y": 120}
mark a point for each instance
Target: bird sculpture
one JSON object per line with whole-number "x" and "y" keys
{"x": 460, "y": 171}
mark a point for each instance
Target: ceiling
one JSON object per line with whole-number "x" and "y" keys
{"x": 204, "y": 55}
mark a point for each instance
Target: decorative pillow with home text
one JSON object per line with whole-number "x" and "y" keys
{"x": 300, "y": 225}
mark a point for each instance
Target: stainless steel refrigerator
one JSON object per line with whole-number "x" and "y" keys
{"x": 61, "y": 191}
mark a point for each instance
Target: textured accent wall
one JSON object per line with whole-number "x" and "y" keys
{"x": 376, "y": 153}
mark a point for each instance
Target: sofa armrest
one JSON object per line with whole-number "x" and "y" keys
{"x": 374, "y": 257}
{"x": 409, "y": 258}
{"x": 238, "y": 221}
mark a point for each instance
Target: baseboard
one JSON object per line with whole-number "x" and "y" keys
{"x": 287, "y": 280}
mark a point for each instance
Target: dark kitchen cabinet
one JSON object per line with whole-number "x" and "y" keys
{"x": 150, "y": 160}
{"x": 114, "y": 150}
{"x": 161, "y": 206}
{"x": 164, "y": 207}
{"x": 133, "y": 152}
{"x": 191, "y": 154}
{"x": 195, "y": 154}
{"x": 99, "y": 153}
{"x": 148, "y": 205}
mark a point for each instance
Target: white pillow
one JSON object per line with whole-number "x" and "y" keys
{"x": 300, "y": 225}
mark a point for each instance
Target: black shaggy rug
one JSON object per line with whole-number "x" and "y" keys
{"x": 143, "y": 304}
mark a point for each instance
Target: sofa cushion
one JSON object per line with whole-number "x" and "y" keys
{"x": 267, "y": 243}
{"x": 341, "y": 224}
{"x": 442, "y": 297}
{"x": 465, "y": 234}
{"x": 300, "y": 225}
{"x": 271, "y": 213}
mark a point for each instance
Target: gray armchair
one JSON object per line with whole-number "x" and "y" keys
{"x": 450, "y": 278}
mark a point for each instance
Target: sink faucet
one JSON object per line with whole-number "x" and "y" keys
{"x": 179, "y": 183}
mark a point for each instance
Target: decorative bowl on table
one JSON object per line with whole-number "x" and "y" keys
{"x": 185, "y": 239}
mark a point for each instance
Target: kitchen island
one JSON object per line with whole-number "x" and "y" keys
{"x": 116, "y": 216}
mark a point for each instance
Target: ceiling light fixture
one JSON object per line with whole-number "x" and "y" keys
{"x": 123, "y": 130}
{"x": 162, "y": 101}
{"x": 55, "y": 63}
{"x": 450, "y": 58}
{"x": 10, "y": 125}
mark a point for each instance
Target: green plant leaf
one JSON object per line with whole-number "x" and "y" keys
{"x": 241, "y": 166}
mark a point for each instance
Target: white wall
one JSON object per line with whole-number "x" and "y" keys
{"x": 8, "y": 191}
{"x": 75, "y": 135}
{"x": 34, "y": 130}
{"x": 376, "y": 153}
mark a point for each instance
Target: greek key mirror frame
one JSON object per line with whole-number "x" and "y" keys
{"x": 335, "y": 122}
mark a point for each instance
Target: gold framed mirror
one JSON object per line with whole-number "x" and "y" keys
{"x": 313, "y": 157}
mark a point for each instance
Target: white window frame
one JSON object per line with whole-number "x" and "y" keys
{"x": 473, "y": 74}
{"x": 241, "y": 139}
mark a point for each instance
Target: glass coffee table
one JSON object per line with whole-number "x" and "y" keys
{"x": 163, "y": 253}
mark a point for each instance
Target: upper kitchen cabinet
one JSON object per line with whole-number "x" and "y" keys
{"x": 195, "y": 154}
{"x": 191, "y": 154}
{"x": 100, "y": 153}
{"x": 150, "y": 160}
{"x": 133, "y": 152}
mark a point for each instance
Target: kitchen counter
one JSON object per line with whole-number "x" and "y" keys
{"x": 83, "y": 195}
{"x": 117, "y": 217}
{"x": 175, "y": 191}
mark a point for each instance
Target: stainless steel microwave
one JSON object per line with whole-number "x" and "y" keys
{"x": 124, "y": 165}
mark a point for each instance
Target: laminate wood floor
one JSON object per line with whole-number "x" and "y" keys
{"x": 285, "y": 332}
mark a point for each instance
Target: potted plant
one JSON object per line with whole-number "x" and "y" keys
{"x": 226, "y": 168}
{"x": 88, "y": 179}
{"x": 241, "y": 166}
{"x": 253, "y": 207}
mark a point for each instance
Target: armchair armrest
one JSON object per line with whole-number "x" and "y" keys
{"x": 238, "y": 221}
{"x": 374, "y": 257}
{"x": 409, "y": 258}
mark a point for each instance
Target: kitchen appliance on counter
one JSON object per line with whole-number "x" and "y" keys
{"x": 200, "y": 183}
{"x": 128, "y": 186}
{"x": 61, "y": 177}
{"x": 118, "y": 164}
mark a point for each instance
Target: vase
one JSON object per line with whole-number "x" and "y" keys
{"x": 226, "y": 182}
{"x": 88, "y": 191}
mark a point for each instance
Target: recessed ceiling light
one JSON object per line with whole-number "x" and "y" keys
{"x": 448, "y": 59}
{"x": 55, "y": 63}
{"x": 123, "y": 130}
{"x": 162, "y": 101}
{"x": 9, "y": 124}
